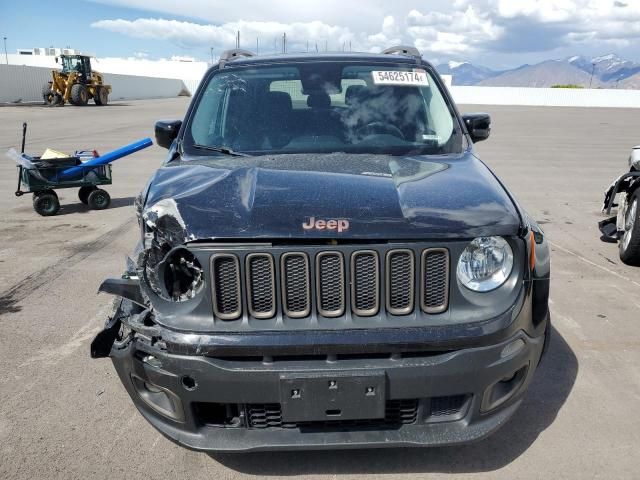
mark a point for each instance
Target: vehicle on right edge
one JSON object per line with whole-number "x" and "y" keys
{"x": 624, "y": 228}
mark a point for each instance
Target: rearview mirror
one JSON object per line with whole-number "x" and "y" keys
{"x": 478, "y": 125}
{"x": 167, "y": 131}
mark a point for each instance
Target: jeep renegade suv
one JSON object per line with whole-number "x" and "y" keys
{"x": 324, "y": 262}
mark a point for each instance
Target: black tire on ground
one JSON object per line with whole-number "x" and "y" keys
{"x": 46, "y": 203}
{"x": 98, "y": 199}
{"x": 49, "y": 96}
{"x": 79, "y": 94}
{"x": 629, "y": 244}
{"x": 102, "y": 96}
{"x": 83, "y": 194}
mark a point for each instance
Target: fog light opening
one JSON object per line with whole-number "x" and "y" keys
{"x": 503, "y": 390}
{"x": 160, "y": 399}
{"x": 189, "y": 383}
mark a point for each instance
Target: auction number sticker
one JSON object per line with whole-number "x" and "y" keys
{"x": 416, "y": 78}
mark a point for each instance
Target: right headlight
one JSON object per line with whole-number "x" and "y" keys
{"x": 485, "y": 264}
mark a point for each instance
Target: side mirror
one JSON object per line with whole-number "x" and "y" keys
{"x": 167, "y": 131}
{"x": 57, "y": 60}
{"x": 478, "y": 125}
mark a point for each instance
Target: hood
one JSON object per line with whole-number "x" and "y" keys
{"x": 380, "y": 197}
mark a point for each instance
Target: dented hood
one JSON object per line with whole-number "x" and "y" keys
{"x": 382, "y": 197}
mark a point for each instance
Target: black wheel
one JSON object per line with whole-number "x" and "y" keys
{"x": 98, "y": 199}
{"x": 49, "y": 96}
{"x": 79, "y": 94}
{"x": 630, "y": 242}
{"x": 102, "y": 96}
{"x": 83, "y": 193}
{"x": 46, "y": 203}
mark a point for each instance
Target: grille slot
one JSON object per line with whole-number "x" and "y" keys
{"x": 447, "y": 406}
{"x": 261, "y": 285}
{"x": 226, "y": 286}
{"x": 365, "y": 283}
{"x": 296, "y": 289}
{"x": 330, "y": 284}
{"x": 434, "y": 281}
{"x": 267, "y": 415}
{"x": 397, "y": 413}
{"x": 400, "y": 279}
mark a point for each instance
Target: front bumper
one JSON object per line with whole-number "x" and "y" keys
{"x": 449, "y": 397}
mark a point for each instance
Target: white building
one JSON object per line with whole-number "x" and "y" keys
{"x": 49, "y": 52}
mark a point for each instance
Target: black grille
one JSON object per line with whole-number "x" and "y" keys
{"x": 266, "y": 284}
{"x": 261, "y": 285}
{"x": 397, "y": 413}
{"x": 400, "y": 281}
{"x": 435, "y": 280}
{"x": 267, "y": 415}
{"x": 226, "y": 286}
{"x": 295, "y": 287}
{"x": 330, "y": 272}
{"x": 447, "y": 406}
{"x": 365, "y": 283}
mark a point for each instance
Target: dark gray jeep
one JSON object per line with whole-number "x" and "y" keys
{"x": 325, "y": 262}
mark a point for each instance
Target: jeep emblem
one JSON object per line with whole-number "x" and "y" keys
{"x": 339, "y": 224}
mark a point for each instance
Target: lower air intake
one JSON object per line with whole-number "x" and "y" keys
{"x": 397, "y": 413}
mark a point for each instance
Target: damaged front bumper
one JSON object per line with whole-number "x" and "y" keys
{"x": 230, "y": 392}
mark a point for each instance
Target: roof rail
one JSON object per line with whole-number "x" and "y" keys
{"x": 403, "y": 49}
{"x": 229, "y": 55}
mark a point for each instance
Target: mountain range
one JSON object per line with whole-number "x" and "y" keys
{"x": 606, "y": 71}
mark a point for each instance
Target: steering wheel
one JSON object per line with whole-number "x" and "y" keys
{"x": 373, "y": 128}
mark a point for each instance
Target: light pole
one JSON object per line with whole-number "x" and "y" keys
{"x": 593, "y": 68}
{"x": 211, "y": 55}
{"x": 6, "y": 57}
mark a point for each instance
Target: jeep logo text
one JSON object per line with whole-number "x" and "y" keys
{"x": 340, "y": 224}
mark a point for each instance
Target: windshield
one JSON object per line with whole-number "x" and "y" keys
{"x": 322, "y": 107}
{"x": 70, "y": 64}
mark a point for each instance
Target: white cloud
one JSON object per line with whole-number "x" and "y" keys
{"x": 458, "y": 32}
{"x": 457, "y": 29}
{"x": 434, "y": 32}
{"x": 189, "y": 34}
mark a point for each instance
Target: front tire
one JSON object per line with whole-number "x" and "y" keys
{"x": 79, "y": 94}
{"x": 630, "y": 241}
{"x": 46, "y": 203}
{"x": 50, "y": 97}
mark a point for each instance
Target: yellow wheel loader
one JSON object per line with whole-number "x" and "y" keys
{"x": 76, "y": 83}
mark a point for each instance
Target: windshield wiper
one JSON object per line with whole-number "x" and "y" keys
{"x": 220, "y": 149}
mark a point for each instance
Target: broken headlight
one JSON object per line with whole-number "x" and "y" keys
{"x": 175, "y": 275}
{"x": 485, "y": 264}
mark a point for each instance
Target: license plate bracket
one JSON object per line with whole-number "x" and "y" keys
{"x": 332, "y": 396}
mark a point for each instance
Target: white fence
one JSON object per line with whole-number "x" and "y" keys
{"x": 24, "y": 83}
{"x": 551, "y": 97}
{"x": 19, "y": 83}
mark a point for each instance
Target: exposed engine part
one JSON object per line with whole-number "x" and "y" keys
{"x": 172, "y": 274}
{"x": 182, "y": 275}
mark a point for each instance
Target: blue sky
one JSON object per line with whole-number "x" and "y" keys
{"x": 495, "y": 33}
{"x": 69, "y": 24}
